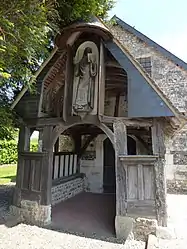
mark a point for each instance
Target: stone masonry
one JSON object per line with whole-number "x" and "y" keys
{"x": 172, "y": 80}
{"x": 66, "y": 190}
{"x": 32, "y": 213}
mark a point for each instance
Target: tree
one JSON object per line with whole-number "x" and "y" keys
{"x": 27, "y": 29}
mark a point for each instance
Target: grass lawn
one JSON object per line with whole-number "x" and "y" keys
{"x": 8, "y": 173}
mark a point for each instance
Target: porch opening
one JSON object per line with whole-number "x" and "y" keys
{"x": 83, "y": 191}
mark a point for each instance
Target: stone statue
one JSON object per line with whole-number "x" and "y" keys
{"x": 85, "y": 72}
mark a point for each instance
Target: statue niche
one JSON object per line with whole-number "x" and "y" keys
{"x": 85, "y": 79}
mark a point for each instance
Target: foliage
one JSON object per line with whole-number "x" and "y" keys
{"x": 8, "y": 151}
{"x": 27, "y": 30}
{"x": 7, "y": 130}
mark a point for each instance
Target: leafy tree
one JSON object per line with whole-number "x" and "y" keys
{"x": 27, "y": 29}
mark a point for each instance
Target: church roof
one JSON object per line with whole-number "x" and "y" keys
{"x": 151, "y": 43}
{"x": 122, "y": 54}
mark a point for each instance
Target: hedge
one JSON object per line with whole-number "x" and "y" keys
{"x": 8, "y": 151}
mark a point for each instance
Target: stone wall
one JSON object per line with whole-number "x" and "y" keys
{"x": 92, "y": 167}
{"x": 67, "y": 189}
{"x": 176, "y": 162}
{"x": 172, "y": 80}
{"x": 166, "y": 74}
{"x": 33, "y": 213}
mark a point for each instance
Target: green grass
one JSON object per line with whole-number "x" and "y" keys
{"x": 8, "y": 173}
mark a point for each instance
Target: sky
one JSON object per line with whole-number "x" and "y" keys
{"x": 164, "y": 21}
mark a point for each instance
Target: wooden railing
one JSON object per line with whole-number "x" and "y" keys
{"x": 64, "y": 164}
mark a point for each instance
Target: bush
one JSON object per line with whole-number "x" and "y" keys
{"x": 9, "y": 153}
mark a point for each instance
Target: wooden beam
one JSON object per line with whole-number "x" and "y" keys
{"x": 120, "y": 145}
{"x": 116, "y": 111}
{"x": 116, "y": 78}
{"x": 68, "y": 84}
{"x": 159, "y": 169}
{"x": 101, "y": 92}
{"x": 128, "y": 121}
{"x": 143, "y": 143}
{"x": 56, "y": 146}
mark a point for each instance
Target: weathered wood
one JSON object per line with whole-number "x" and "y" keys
{"x": 116, "y": 111}
{"x": 24, "y": 139}
{"x": 127, "y": 121}
{"x": 140, "y": 182}
{"x": 140, "y": 188}
{"x": 91, "y": 119}
{"x": 143, "y": 143}
{"x": 159, "y": 171}
{"x": 68, "y": 85}
{"x": 148, "y": 159}
{"x": 132, "y": 182}
{"x": 120, "y": 144}
{"x": 56, "y": 146}
{"x": 149, "y": 186}
{"x": 23, "y": 145}
{"x": 101, "y": 82}
{"x": 47, "y": 165}
{"x": 158, "y": 139}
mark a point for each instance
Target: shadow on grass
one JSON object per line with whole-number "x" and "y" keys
{"x": 12, "y": 178}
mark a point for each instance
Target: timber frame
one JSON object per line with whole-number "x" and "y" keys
{"x": 140, "y": 178}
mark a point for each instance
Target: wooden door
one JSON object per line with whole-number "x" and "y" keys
{"x": 109, "y": 177}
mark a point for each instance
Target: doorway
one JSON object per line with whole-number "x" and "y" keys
{"x": 109, "y": 176}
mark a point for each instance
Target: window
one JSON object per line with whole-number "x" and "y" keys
{"x": 145, "y": 62}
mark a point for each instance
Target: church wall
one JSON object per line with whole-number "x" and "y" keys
{"x": 172, "y": 80}
{"x": 176, "y": 162}
{"x": 92, "y": 166}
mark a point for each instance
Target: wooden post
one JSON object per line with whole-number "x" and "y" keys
{"x": 101, "y": 95}
{"x": 159, "y": 168}
{"x": 40, "y": 139}
{"x": 23, "y": 145}
{"x": 47, "y": 167}
{"x": 120, "y": 144}
{"x": 56, "y": 146}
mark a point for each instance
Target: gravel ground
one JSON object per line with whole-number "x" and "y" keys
{"x": 25, "y": 236}
{"x": 31, "y": 237}
{"x": 172, "y": 244}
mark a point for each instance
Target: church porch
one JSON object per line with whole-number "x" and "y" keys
{"x": 86, "y": 213}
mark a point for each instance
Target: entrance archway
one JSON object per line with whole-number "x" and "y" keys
{"x": 109, "y": 176}
{"x": 85, "y": 206}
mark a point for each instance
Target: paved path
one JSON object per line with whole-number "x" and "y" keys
{"x": 177, "y": 214}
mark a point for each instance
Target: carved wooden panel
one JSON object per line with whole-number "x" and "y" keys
{"x": 32, "y": 164}
{"x": 34, "y": 175}
{"x": 140, "y": 182}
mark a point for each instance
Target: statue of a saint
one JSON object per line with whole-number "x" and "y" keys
{"x": 85, "y": 71}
